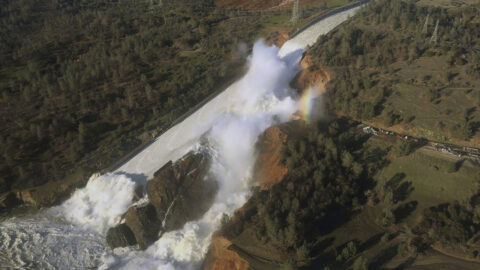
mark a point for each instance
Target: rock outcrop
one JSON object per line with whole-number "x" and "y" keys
{"x": 278, "y": 38}
{"x": 181, "y": 192}
{"x": 120, "y": 236}
{"x": 144, "y": 223}
{"x": 178, "y": 193}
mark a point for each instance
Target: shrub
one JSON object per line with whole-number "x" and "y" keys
{"x": 289, "y": 265}
{"x": 360, "y": 263}
{"x": 403, "y": 148}
{"x": 303, "y": 252}
{"x": 387, "y": 217}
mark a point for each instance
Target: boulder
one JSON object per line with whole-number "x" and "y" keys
{"x": 120, "y": 236}
{"x": 195, "y": 198}
{"x": 144, "y": 223}
{"x": 181, "y": 192}
{"x": 178, "y": 193}
{"x": 163, "y": 188}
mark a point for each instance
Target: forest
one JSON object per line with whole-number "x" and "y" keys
{"x": 329, "y": 173}
{"x": 411, "y": 65}
{"x": 82, "y": 83}
{"x": 356, "y": 201}
{"x": 336, "y": 209}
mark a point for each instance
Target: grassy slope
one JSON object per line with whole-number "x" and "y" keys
{"x": 432, "y": 185}
{"x": 410, "y": 82}
{"x": 432, "y": 97}
{"x": 426, "y": 170}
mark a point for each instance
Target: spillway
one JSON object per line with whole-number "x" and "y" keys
{"x": 72, "y": 234}
{"x": 178, "y": 140}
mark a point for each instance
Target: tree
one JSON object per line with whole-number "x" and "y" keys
{"x": 3, "y": 185}
{"x": 349, "y": 251}
{"x": 368, "y": 110}
{"x": 347, "y": 159}
{"x": 289, "y": 265}
{"x": 81, "y": 133}
{"x": 390, "y": 118}
{"x": 387, "y": 217}
{"x": 148, "y": 92}
{"x": 303, "y": 252}
{"x": 403, "y": 148}
{"x": 360, "y": 263}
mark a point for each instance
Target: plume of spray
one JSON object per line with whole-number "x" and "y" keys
{"x": 230, "y": 124}
{"x": 261, "y": 99}
{"x": 100, "y": 204}
{"x": 49, "y": 240}
{"x": 231, "y": 143}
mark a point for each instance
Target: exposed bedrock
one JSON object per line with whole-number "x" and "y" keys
{"x": 178, "y": 193}
{"x": 120, "y": 236}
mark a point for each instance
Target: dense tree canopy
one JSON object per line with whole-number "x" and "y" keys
{"x": 80, "y": 81}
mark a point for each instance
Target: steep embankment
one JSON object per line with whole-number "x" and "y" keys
{"x": 268, "y": 171}
{"x": 311, "y": 75}
{"x": 269, "y": 167}
{"x": 220, "y": 257}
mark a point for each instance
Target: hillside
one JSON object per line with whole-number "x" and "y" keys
{"x": 79, "y": 102}
{"x": 392, "y": 71}
{"x": 79, "y": 98}
{"x": 351, "y": 199}
{"x": 362, "y": 183}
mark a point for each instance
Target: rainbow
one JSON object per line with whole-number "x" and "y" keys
{"x": 307, "y": 101}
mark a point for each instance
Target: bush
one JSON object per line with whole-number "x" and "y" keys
{"x": 390, "y": 118}
{"x": 303, "y": 252}
{"x": 387, "y": 217}
{"x": 289, "y": 265}
{"x": 349, "y": 251}
{"x": 360, "y": 263}
{"x": 403, "y": 148}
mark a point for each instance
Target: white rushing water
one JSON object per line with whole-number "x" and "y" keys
{"x": 72, "y": 234}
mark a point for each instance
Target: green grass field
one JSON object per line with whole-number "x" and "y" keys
{"x": 431, "y": 182}
{"x": 428, "y": 172}
{"x": 434, "y": 116}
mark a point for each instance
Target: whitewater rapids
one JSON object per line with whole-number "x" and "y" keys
{"x": 72, "y": 235}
